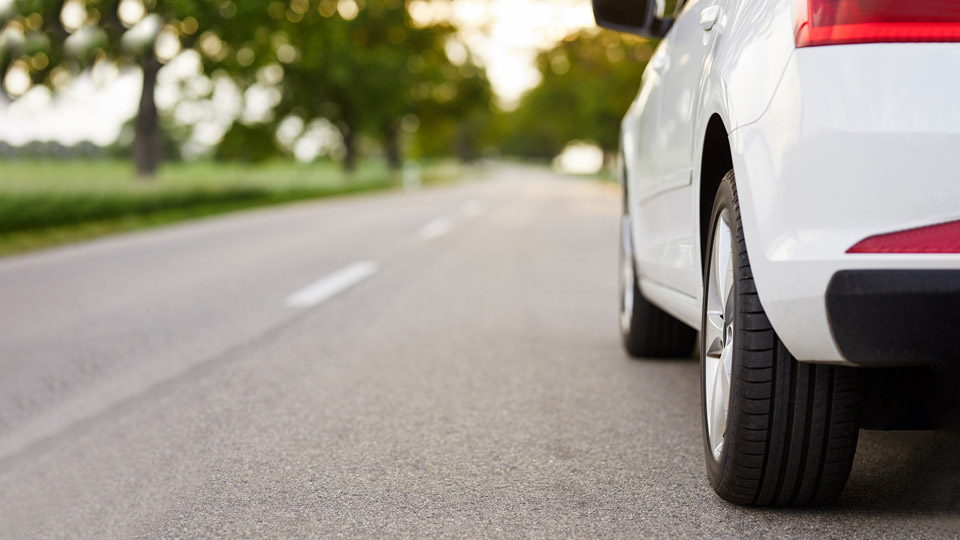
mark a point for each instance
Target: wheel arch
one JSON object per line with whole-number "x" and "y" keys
{"x": 716, "y": 161}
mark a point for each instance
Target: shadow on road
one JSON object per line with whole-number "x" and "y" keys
{"x": 906, "y": 472}
{"x": 900, "y": 473}
{"x": 900, "y": 480}
{"x": 912, "y": 473}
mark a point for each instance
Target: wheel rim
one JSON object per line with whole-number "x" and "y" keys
{"x": 627, "y": 277}
{"x": 719, "y": 334}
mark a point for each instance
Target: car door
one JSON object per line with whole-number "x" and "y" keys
{"x": 689, "y": 43}
{"x": 640, "y": 145}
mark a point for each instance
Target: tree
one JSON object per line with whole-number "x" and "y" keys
{"x": 588, "y": 81}
{"x": 364, "y": 66}
{"x": 249, "y": 144}
{"x": 32, "y": 41}
{"x": 125, "y": 32}
{"x": 457, "y": 118}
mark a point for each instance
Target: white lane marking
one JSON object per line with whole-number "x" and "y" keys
{"x": 472, "y": 209}
{"x": 332, "y": 285}
{"x": 436, "y": 228}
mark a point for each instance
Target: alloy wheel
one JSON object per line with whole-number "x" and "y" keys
{"x": 719, "y": 334}
{"x": 627, "y": 276}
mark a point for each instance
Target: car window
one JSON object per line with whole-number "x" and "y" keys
{"x": 668, "y": 8}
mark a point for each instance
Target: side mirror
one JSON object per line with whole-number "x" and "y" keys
{"x": 631, "y": 16}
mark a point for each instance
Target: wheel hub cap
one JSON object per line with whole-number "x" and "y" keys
{"x": 626, "y": 275}
{"x": 719, "y": 334}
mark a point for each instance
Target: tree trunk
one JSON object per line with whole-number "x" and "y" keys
{"x": 466, "y": 141}
{"x": 391, "y": 146}
{"x": 350, "y": 149}
{"x": 146, "y": 142}
{"x": 4, "y": 66}
{"x": 610, "y": 161}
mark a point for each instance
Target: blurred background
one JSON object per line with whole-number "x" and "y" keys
{"x": 115, "y": 114}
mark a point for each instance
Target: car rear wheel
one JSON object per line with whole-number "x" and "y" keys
{"x": 648, "y": 331}
{"x": 776, "y": 432}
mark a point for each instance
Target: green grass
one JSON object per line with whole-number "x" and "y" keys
{"x": 46, "y": 203}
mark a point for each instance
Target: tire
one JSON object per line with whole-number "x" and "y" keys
{"x": 648, "y": 331}
{"x": 780, "y": 432}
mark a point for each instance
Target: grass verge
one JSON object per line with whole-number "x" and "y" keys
{"x": 43, "y": 204}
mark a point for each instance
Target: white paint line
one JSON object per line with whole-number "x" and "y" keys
{"x": 472, "y": 209}
{"x": 436, "y": 228}
{"x": 332, "y": 285}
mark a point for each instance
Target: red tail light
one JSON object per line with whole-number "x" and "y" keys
{"x": 942, "y": 238}
{"x": 832, "y": 22}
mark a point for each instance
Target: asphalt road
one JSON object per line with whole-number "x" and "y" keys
{"x": 435, "y": 364}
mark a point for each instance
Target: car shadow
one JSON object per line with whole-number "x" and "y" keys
{"x": 901, "y": 472}
{"x": 896, "y": 473}
{"x": 915, "y": 471}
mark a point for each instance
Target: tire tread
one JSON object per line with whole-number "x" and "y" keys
{"x": 802, "y": 416}
{"x": 654, "y": 333}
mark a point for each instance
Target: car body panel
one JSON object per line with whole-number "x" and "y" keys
{"x": 830, "y": 145}
{"x": 664, "y": 194}
{"x": 859, "y": 140}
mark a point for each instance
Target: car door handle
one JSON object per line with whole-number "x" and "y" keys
{"x": 659, "y": 63}
{"x": 709, "y": 17}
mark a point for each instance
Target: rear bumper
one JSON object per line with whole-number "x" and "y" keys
{"x": 882, "y": 318}
{"x": 857, "y": 141}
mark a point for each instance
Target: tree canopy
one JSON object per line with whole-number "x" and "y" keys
{"x": 588, "y": 81}
{"x": 364, "y": 66}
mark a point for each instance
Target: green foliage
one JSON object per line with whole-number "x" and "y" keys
{"x": 35, "y": 221}
{"x": 363, "y": 65}
{"x": 588, "y": 81}
{"x": 458, "y": 126}
{"x": 369, "y": 70}
{"x": 39, "y": 42}
{"x": 24, "y": 212}
{"x": 33, "y": 39}
{"x": 250, "y": 144}
{"x": 46, "y": 202}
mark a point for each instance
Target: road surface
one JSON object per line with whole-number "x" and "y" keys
{"x": 408, "y": 365}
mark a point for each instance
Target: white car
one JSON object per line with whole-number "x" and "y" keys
{"x": 791, "y": 171}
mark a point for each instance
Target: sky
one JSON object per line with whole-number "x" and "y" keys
{"x": 504, "y": 35}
